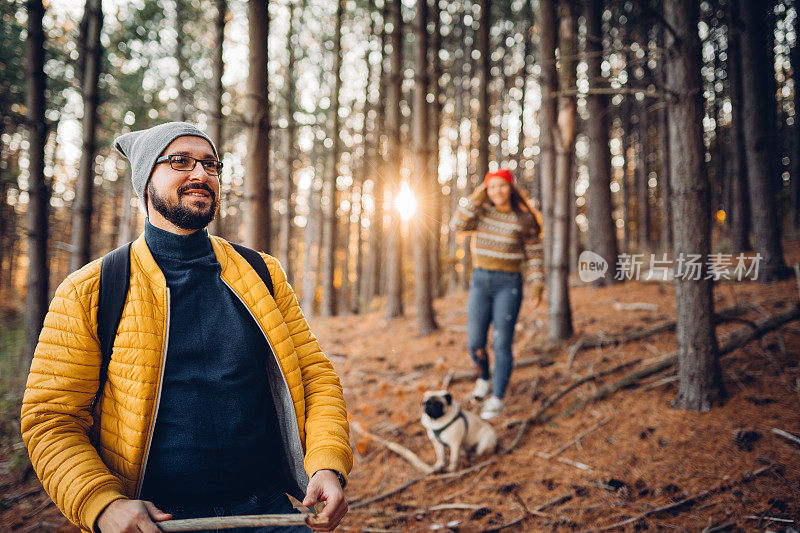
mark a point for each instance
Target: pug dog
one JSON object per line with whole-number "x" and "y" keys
{"x": 448, "y": 425}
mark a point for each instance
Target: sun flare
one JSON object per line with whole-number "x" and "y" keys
{"x": 405, "y": 203}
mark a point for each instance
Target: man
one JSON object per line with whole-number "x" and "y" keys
{"x": 217, "y": 399}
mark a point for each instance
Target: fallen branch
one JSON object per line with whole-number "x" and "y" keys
{"x": 634, "y": 306}
{"x": 786, "y": 435}
{"x": 576, "y": 464}
{"x": 469, "y": 375}
{"x": 572, "y": 441}
{"x": 399, "y": 449}
{"x": 722, "y": 486}
{"x": 734, "y": 341}
{"x": 535, "y": 512}
{"x": 723, "y": 315}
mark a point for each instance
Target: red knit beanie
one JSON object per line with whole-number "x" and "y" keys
{"x": 499, "y": 173}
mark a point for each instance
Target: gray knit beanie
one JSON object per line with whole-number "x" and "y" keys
{"x": 143, "y": 147}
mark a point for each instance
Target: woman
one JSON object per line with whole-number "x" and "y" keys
{"x": 507, "y": 234}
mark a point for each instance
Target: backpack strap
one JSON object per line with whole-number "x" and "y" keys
{"x": 115, "y": 274}
{"x": 258, "y": 264}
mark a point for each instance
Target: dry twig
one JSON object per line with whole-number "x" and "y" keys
{"x": 399, "y": 449}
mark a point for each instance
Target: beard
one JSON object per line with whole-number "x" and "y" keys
{"x": 185, "y": 216}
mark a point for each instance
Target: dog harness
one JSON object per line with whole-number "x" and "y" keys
{"x": 437, "y": 432}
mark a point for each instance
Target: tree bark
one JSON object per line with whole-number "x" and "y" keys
{"x": 257, "y": 200}
{"x": 183, "y": 71}
{"x": 38, "y": 187}
{"x": 436, "y": 107}
{"x": 759, "y": 153}
{"x": 700, "y": 385}
{"x": 287, "y": 217}
{"x": 547, "y": 120}
{"x": 664, "y": 162}
{"x": 601, "y": 231}
{"x": 737, "y": 167}
{"x": 560, "y": 312}
{"x": 215, "y": 117}
{"x": 794, "y": 156}
{"x": 376, "y": 249}
{"x": 330, "y": 234}
{"x": 484, "y": 64}
{"x": 421, "y": 225}
{"x": 82, "y": 210}
{"x": 394, "y": 263}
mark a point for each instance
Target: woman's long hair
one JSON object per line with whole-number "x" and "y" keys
{"x": 529, "y": 217}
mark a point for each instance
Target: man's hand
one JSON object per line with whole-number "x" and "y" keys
{"x": 324, "y": 487}
{"x": 131, "y": 516}
{"x": 536, "y": 294}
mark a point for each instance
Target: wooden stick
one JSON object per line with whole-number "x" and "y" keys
{"x": 566, "y": 445}
{"x": 556, "y": 501}
{"x": 230, "y": 522}
{"x": 772, "y": 518}
{"x": 576, "y": 464}
{"x": 786, "y": 435}
{"x": 399, "y": 449}
{"x": 448, "y": 378}
{"x": 722, "y": 486}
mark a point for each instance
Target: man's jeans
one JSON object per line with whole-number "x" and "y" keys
{"x": 494, "y": 297}
{"x": 268, "y": 502}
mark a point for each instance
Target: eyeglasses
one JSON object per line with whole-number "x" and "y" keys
{"x": 185, "y": 163}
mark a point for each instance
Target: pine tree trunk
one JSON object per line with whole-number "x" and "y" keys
{"x": 700, "y": 385}
{"x": 287, "y": 217}
{"x": 794, "y": 156}
{"x": 484, "y": 64}
{"x": 38, "y": 188}
{"x": 759, "y": 150}
{"x": 625, "y": 185}
{"x": 376, "y": 249}
{"x": 421, "y": 225}
{"x": 642, "y": 176}
{"x": 560, "y": 312}
{"x": 601, "y": 230}
{"x": 183, "y": 71}
{"x": 83, "y": 207}
{"x": 257, "y": 200}
{"x": 739, "y": 211}
{"x": 312, "y": 247}
{"x": 394, "y": 263}
{"x": 664, "y": 161}
{"x": 434, "y": 137}
{"x": 215, "y": 117}
{"x": 547, "y": 121}
{"x": 331, "y": 191}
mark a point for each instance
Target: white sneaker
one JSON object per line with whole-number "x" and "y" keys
{"x": 491, "y": 408}
{"x": 482, "y": 388}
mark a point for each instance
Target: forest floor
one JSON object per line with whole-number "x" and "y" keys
{"x": 662, "y": 468}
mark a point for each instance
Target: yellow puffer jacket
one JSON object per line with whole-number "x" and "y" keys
{"x": 85, "y": 465}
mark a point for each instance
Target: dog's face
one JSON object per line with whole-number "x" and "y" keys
{"x": 436, "y": 404}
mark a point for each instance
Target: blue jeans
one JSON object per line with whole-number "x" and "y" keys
{"x": 494, "y": 298}
{"x": 268, "y": 502}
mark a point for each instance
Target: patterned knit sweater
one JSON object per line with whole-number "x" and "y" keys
{"x": 499, "y": 241}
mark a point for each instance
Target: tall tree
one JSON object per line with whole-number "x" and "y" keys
{"x": 91, "y": 52}
{"x": 436, "y": 105}
{"x": 394, "y": 262}
{"x": 794, "y": 156}
{"x": 376, "y": 249}
{"x": 215, "y": 117}
{"x": 560, "y": 312}
{"x": 257, "y": 200}
{"x": 601, "y": 231}
{"x": 698, "y": 366}
{"x": 547, "y": 119}
{"x": 38, "y": 187}
{"x": 484, "y": 66}
{"x": 737, "y": 168}
{"x": 330, "y": 236}
{"x": 421, "y": 226}
{"x": 759, "y": 155}
{"x": 180, "y": 58}
{"x": 290, "y": 90}
{"x": 664, "y": 162}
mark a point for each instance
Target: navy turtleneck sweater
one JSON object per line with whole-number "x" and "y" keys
{"x": 216, "y": 438}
